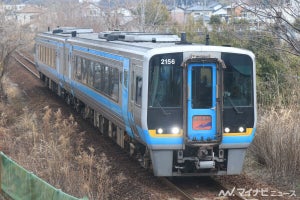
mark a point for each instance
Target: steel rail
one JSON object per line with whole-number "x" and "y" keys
{"x": 184, "y": 195}
{"x": 180, "y": 191}
{"x": 24, "y": 65}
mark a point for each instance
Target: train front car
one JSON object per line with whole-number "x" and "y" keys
{"x": 201, "y": 110}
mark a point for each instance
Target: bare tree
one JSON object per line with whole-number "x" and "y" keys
{"x": 151, "y": 14}
{"x": 280, "y": 18}
{"x": 73, "y": 13}
{"x": 10, "y": 37}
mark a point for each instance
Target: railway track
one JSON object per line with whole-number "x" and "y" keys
{"x": 26, "y": 62}
{"x": 191, "y": 189}
{"x": 186, "y": 188}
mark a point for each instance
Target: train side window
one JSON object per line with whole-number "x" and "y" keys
{"x": 102, "y": 74}
{"x": 138, "y": 90}
{"x": 126, "y": 78}
{"x": 121, "y": 77}
{"x": 84, "y": 70}
{"x": 97, "y": 76}
{"x": 105, "y": 80}
{"x": 47, "y": 56}
{"x": 39, "y": 51}
{"x": 78, "y": 68}
{"x": 91, "y": 73}
{"x": 43, "y": 54}
{"x": 114, "y": 87}
{"x": 50, "y": 57}
{"x": 53, "y": 58}
{"x": 132, "y": 86}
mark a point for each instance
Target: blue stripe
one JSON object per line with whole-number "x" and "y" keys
{"x": 125, "y": 61}
{"x": 114, "y": 107}
{"x": 99, "y": 53}
{"x": 50, "y": 70}
{"x": 47, "y": 41}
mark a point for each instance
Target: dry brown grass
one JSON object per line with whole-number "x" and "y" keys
{"x": 275, "y": 152}
{"x": 277, "y": 144}
{"x": 50, "y": 146}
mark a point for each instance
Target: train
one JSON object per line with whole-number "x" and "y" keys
{"x": 181, "y": 109}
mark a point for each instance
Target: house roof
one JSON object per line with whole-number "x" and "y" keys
{"x": 31, "y": 9}
{"x": 210, "y": 6}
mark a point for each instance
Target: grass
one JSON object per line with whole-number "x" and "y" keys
{"x": 51, "y": 146}
{"x": 275, "y": 151}
{"x": 277, "y": 144}
{"x": 274, "y": 155}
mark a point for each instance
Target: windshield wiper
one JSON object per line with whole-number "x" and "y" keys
{"x": 164, "y": 111}
{"x": 232, "y": 104}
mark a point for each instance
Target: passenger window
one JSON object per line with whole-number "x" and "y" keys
{"x": 78, "y": 68}
{"x": 105, "y": 81}
{"x": 97, "y": 76}
{"x": 84, "y": 70}
{"x": 138, "y": 90}
{"x": 91, "y": 73}
{"x": 126, "y": 78}
{"x": 115, "y": 84}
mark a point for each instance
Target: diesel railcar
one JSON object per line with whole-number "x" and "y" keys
{"x": 182, "y": 109}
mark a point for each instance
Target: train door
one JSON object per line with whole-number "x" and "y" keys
{"x": 125, "y": 96}
{"x": 201, "y": 102}
{"x": 135, "y": 98}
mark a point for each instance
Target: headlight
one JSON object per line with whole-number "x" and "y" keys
{"x": 241, "y": 129}
{"x": 159, "y": 131}
{"x": 227, "y": 130}
{"x": 175, "y": 130}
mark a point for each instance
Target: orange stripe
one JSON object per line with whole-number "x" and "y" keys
{"x": 165, "y": 135}
{"x": 247, "y": 133}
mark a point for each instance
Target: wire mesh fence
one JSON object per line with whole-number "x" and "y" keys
{"x": 20, "y": 184}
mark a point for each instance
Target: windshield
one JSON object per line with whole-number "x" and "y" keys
{"x": 165, "y": 80}
{"x": 238, "y": 76}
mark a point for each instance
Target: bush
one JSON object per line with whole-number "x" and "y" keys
{"x": 277, "y": 143}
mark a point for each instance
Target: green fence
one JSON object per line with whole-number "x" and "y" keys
{"x": 19, "y": 184}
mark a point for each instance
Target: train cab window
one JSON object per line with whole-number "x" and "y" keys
{"x": 238, "y": 76}
{"x": 138, "y": 90}
{"x": 201, "y": 87}
{"x": 165, "y": 81}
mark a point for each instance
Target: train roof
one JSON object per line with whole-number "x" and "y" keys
{"x": 138, "y": 42}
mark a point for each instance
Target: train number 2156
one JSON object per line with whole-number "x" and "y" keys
{"x": 167, "y": 61}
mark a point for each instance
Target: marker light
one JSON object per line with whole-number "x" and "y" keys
{"x": 241, "y": 129}
{"x": 175, "y": 130}
{"x": 159, "y": 130}
{"x": 227, "y": 130}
